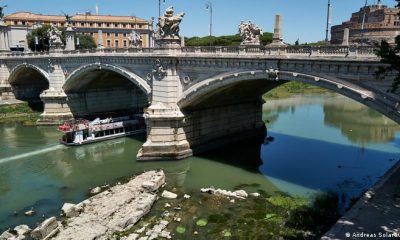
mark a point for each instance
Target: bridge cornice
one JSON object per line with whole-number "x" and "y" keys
{"x": 338, "y": 53}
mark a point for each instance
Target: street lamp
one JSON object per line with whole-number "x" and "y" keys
{"x": 328, "y": 20}
{"x": 159, "y": 7}
{"x": 210, "y": 8}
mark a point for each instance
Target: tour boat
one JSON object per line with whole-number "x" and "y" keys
{"x": 78, "y": 132}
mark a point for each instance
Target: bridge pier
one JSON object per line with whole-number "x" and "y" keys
{"x": 56, "y": 109}
{"x": 166, "y": 138}
{"x": 5, "y": 88}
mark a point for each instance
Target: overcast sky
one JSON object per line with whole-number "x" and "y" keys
{"x": 303, "y": 19}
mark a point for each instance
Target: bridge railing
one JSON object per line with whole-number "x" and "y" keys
{"x": 296, "y": 51}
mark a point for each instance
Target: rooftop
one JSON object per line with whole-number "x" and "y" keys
{"x": 28, "y": 16}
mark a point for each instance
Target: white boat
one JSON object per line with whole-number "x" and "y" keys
{"x": 78, "y": 132}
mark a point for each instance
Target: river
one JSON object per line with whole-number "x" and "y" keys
{"x": 320, "y": 143}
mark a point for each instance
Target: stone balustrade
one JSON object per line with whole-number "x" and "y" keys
{"x": 221, "y": 51}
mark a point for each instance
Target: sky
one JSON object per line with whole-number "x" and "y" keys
{"x": 301, "y": 19}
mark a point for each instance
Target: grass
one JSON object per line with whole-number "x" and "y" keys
{"x": 21, "y": 112}
{"x": 294, "y": 88}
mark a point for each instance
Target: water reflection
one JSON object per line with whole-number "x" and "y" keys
{"x": 358, "y": 123}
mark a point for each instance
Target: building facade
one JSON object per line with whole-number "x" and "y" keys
{"x": 380, "y": 23}
{"x": 115, "y": 29}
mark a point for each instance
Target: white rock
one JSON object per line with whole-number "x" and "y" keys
{"x": 6, "y": 235}
{"x": 95, "y": 190}
{"x": 70, "y": 210}
{"x": 23, "y": 230}
{"x": 155, "y": 182}
{"x": 177, "y": 219}
{"x": 232, "y": 201}
{"x": 255, "y": 194}
{"x": 186, "y": 196}
{"x": 133, "y": 236}
{"x": 195, "y": 233}
{"x": 165, "y": 234}
{"x": 169, "y": 195}
{"x": 241, "y": 194}
{"x": 141, "y": 230}
{"x": 30, "y": 213}
{"x": 45, "y": 228}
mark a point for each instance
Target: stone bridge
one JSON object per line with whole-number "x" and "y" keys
{"x": 194, "y": 98}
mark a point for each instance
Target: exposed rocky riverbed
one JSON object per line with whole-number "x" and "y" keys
{"x": 99, "y": 217}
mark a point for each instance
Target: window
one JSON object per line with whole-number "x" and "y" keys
{"x": 108, "y": 43}
{"x": 125, "y": 43}
{"x": 74, "y": 24}
{"x": 91, "y": 34}
{"x": 23, "y": 23}
{"x": 124, "y": 25}
{"x": 99, "y": 25}
{"x": 108, "y": 25}
{"x": 116, "y": 43}
{"x": 15, "y": 23}
{"x": 91, "y": 24}
{"x": 116, "y": 25}
{"x": 132, "y": 26}
{"x": 140, "y": 26}
{"x": 116, "y": 34}
{"x": 125, "y": 34}
{"x": 108, "y": 34}
{"x": 82, "y": 24}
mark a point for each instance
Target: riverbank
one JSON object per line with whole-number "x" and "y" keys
{"x": 292, "y": 89}
{"x": 17, "y": 111}
{"x": 100, "y": 217}
{"x": 137, "y": 209}
{"x": 376, "y": 213}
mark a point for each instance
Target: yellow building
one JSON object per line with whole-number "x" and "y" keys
{"x": 115, "y": 29}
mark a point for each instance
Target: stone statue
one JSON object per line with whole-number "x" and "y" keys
{"x": 2, "y": 12}
{"x": 134, "y": 39}
{"x": 54, "y": 36}
{"x": 250, "y": 33}
{"x": 168, "y": 25}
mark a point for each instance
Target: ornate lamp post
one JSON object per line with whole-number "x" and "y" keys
{"x": 210, "y": 8}
{"x": 328, "y": 20}
{"x": 159, "y": 7}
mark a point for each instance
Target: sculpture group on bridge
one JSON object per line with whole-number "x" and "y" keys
{"x": 54, "y": 36}
{"x": 168, "y": 25}
{"x": 134, "y": 39}
{"x": 250, "y": 33}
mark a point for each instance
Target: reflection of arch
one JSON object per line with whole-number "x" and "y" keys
{"x": 202, "y": 90}
{"x": 22, "y": 68}
{"x": 72, "y": 82}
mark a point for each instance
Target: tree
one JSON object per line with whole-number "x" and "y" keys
{"x": 43, "y": 39}
{"x": 228, "y": 40}
{"x": 390, "y": 55}
{"x": 85, "y": 41}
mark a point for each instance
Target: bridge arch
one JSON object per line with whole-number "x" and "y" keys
{"x": 265, "y": 80}
{"x": 102, "y": 89}
{"x": 28, "y": 81}
{"x": 72, "y": 82}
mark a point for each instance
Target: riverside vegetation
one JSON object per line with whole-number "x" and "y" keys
{"x": 27, "y": 113}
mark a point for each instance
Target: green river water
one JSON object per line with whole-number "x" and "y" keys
{"x": 321, "y": 143}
